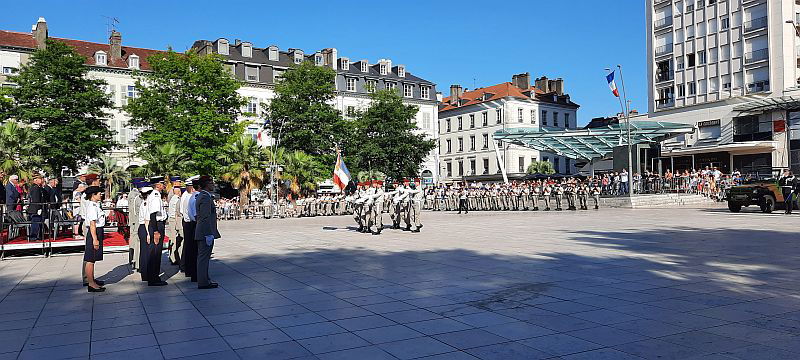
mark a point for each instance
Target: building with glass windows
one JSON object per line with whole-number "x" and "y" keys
{"x": 729, "y": 67}
{"x": 468, "y": 118}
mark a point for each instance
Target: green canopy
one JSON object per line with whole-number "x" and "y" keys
{"x": 591, "y": 143}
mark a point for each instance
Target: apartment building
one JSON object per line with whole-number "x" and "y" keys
{"x": 468, "y": 118}
{"x": 111, "y": 62}
{"x": 730, "y": 67}
{"x": 260, "y": 68}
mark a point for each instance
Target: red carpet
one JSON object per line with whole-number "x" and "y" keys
{"x": 111, "y": 239}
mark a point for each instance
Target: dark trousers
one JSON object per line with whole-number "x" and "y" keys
{"x": 144, "y": 252}
{"x": 203, "y": 259}
{"x": 788, "y": 200}
{"x": 190, "y": 250}
{"x": 462, "y": 205}
{"x": 36, "y": 227}
{"x": 154, "y": 252}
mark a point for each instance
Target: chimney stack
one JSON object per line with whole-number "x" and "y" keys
{"x": 115, "y": 40}
{"x": 455, "y": 94}
{"x": 543, "y": 84}
{"x": 522, "y": 81}
{"x": 556, "y": 86}
{"x": 39, "y": 32}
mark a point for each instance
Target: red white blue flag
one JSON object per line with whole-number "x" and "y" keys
{"x": 611, "y": 84}
{"x": 341, "y": 176}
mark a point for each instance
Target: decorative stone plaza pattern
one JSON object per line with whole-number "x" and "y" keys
{"x": 608, "y": 284}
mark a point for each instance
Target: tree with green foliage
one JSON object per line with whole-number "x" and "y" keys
{"x": 245, "y": 162}
{"x": 385, "y": 140}
{"x": 19, "y": 150}
{"x": 6, "y": 104}
{"x": 303, "y": 172}
{"x": 108, "y": 168}
{"x": 190, "y": 101}
{"x": 301, "y": 115}
{"x": 67, "y": 108}
{"x": 165, "y": 160}
{"x": 541, "y": 167}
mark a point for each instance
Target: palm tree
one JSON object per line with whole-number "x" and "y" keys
{"x": 109, "y": 169}
{"x": 245, "y": 161}
{"x": 165, "y": 161}
{"x": 19, "y": 150}
{"x": 302, "y": 170}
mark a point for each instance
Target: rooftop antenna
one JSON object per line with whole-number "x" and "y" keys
{"x": 111, "y": 24}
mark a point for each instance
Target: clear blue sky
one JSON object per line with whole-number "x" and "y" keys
{"x": 447, "y": 42}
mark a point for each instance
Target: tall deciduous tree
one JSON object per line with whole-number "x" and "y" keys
{"x": 188, "y": 100}
{"x": 385, "y": 139}
{"x": 301, "y": 113}
{"x": 66, "y": 107}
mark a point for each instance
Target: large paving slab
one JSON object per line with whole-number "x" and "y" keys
{"x": 608, "y": 284}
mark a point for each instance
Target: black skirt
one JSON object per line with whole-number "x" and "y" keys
{"x": 90, "y": 254}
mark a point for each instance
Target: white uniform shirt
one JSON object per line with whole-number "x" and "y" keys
{"x": 95, "y": 213}
{"x": 173, "y": 206}
{"x": 185, "y": 206}
{"x": 143, "y": 216}
{"x": 156, "y": 205}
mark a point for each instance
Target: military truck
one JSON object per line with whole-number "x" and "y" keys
{"x": 764, "y": 193}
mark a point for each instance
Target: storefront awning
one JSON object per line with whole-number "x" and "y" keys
{"x": 739, "y": 148}
{"x": 768, "y": 104}
{"x": 587, "y": 144}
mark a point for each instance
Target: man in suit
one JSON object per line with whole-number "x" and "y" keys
{"x": 12, "y": 195}
{"x": 188, "y": 208}
{"x": 206, "y": 231}
{"x": 36, "y": 207}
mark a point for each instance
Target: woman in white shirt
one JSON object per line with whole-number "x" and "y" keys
{"x": 95, "y": 219}
{"x": 144, "y": 241}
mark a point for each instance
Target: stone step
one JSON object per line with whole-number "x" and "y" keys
{"x": 659, "y": 200}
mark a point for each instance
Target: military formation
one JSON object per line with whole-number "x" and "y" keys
{"x": 403, "y": 203}
{"x": 546, "y": 195}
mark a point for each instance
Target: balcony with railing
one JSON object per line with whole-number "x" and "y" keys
{"x": 663, "y": 49}
{"x": 663, "y": 23}
{"x": 756, "y": 56}
{"x": 664, "y": 76}
{"x": 755, "y": 24}
{"x": 665, "y": 103}
{"x": 758, "y": 86}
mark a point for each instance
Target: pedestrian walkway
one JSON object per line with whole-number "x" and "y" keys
{"x": 613, "y": 284}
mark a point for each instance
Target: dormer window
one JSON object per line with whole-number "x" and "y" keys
{"x": 247, "y": 50}
{"x": 273, "y": 53}
{"x": 384, "y": 69}
{"x": 222, "y": 47}
{"x": 401, "y": 71}
{"x": 345, "y": 64}
{"x": 133, "y": 62}
{"x": 364, "y": 66}
{"x": 318, "y": 59}
{"x": 100, "y": 58}
{"x": 298, "y": 57}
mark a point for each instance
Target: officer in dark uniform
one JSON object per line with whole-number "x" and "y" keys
{"x": 788, "y": 182}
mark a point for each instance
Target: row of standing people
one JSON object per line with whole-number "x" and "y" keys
{"x": 547, "y": 194}
{"x": 188, "y": 219}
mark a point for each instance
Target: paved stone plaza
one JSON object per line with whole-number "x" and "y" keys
{"x": 609, "y": 284}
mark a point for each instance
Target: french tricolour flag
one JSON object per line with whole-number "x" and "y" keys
{"x": 611, "y": 84}
{"x": 341, "y": 176}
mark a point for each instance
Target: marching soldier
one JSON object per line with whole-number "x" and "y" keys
{"x": 569, "y": 191}
{"x": 376, "y": 213}
{"x": 415, "y": 208}
{"x": 398, "y": 197}
{"x": 596, "y": 190}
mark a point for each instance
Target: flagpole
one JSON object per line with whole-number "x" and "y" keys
{"x": 628, "y": 120}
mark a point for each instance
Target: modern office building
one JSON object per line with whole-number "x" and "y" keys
{"x": 730, "y": 67}
{"x": 111, "y": 62}
{"x": 468, "y": 118}
{"x": 260, "y": 68}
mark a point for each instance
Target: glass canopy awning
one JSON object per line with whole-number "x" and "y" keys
{"x": 591, "y": 143}
{"x": 768, "y": 104}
